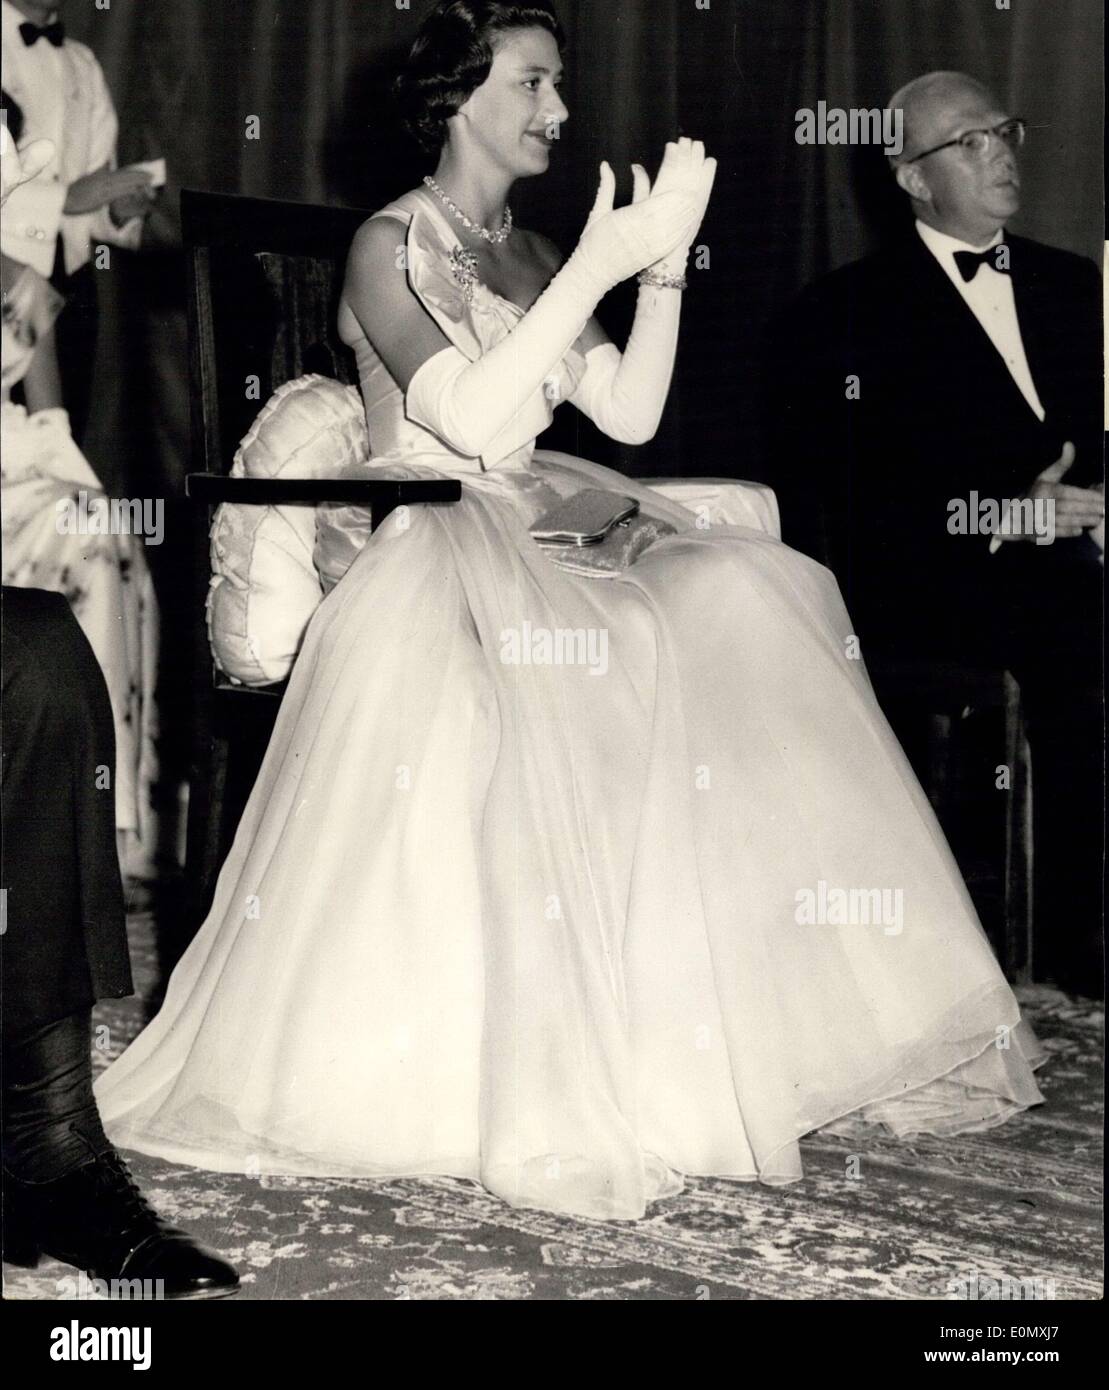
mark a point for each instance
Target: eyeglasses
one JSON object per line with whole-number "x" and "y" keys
{"x": 976, "y": 143}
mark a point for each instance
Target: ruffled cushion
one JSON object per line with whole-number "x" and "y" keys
{"x": 264, "y": 586}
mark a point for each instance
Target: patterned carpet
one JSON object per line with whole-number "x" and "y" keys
{"x": 900, "y": 1220}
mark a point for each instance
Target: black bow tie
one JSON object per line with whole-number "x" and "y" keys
{"x": 52, "y": 33}
{"x": 969, "y": 261}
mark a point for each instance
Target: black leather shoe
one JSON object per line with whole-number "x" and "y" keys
{"x": 96, "y": 1218}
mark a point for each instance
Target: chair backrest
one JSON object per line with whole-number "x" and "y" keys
{"x": 264, "y": 284}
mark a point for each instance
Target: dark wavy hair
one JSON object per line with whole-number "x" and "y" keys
{"x": 452, "y": 56}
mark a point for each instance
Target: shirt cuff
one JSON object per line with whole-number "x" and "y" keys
{"x": 31, "y": 222}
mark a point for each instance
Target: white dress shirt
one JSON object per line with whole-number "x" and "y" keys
{"x": 64, "y": 97}
{"x": 989, "y": 297}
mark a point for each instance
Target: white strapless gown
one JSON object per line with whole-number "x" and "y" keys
{"x": 543, "y": 924}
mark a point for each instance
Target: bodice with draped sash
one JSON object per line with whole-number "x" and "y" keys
{"x": 473, "y": 322}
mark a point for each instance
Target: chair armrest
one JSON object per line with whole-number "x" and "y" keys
{"x": 279, "y": 492}
{"x": 227, "y": 688}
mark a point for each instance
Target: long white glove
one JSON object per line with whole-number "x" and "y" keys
{"x": 624, "y": 393}
{"x": 468, "y": 404}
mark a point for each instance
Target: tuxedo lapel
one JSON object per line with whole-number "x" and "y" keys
{"x": 1035, "y": 314}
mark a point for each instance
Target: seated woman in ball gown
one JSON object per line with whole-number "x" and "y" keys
{"x": 556, "y": 928}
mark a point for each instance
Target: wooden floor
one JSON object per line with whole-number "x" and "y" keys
{"x": 881, "y": 1220}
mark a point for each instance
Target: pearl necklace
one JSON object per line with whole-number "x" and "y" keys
{"x": 495, "y": 237}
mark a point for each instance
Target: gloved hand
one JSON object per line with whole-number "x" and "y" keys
{"x": 624, "y": 393}
{"x": 684, "y": 168}
{"x": 616, "y": 243}
{"x": 486, "y": 407}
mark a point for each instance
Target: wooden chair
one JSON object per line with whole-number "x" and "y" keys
{"x": 939, "y": 698}
{"x": 264, "y": 284}
{"x": 928, "y": 703}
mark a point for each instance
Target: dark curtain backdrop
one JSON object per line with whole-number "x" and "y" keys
{"x": 186, "y": 75}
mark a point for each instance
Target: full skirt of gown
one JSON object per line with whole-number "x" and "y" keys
{"x": 533, "y": 887}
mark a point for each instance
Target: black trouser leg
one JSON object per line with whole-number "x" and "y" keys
{"x": 51, "y": 1123}
{"x": 66, "y": 942}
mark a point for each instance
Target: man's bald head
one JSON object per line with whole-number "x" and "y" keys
{"x": 957, "y": 190}
{"x": 931, "y": 103}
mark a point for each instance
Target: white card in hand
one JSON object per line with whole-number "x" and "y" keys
{"x": 156, "y": 168}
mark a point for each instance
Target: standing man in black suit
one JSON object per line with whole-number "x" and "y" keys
{"x": 949, "y": 380}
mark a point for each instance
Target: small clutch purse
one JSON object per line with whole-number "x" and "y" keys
{"x": 584, "y": 519}
{"x": 597, "y": 533}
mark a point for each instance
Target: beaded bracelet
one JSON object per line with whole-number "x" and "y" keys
{"x": 663, "y": 282}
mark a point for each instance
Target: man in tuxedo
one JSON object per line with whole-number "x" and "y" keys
{"x": 80, "y": 198}
{"x": 958, "y": 367}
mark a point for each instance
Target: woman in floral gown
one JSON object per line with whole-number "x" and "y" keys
{"x": 49, "y": 493}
